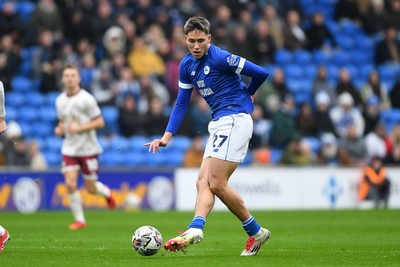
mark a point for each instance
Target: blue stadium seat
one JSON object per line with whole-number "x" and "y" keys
{"x": 48, "y": 114}
{"x": 36, "y": 99}
{"x": 25, "y": 10}
{"x": 134, "y": 159}
{"x": 310, "y": 71}
{"x": 276, "y": 155}
{"x": 22, "y": 84}
{"x": 341, "y": 58}
{"x": 294, "y": 85}
{"x": 314, "y": 142}
{"x": 248, "y": 159}
{"x": 112, "y": 159}
{"x": 347, "y": 43}
{"x": 53, "y": 143}
{"x": 110, "y": 115}
{"x": 12, "y": 113}
{"x": 389, "y": 71}
{"x": 174, "y": 159}
{"x": 137, "y": 143}
{"x": 28, "y": 114}
{"x": 53, "y": 158}
{"x": 361, "y": 57}
{"x": 25, "y": 68}
{"x": 51, "y": 98}
{"x": 42, "y": 129}
{"x": 283, "y": 57}
{"x": 180, "y": 143}
{"x": 333, "y": 72}
{"x": 321, "y": 57}
{"x": 26, "y": 128}
{"x": 364, "y": 43}
{"x": 365, "y": 70}
{"x": 353, "y": 70}
{"x": 293, "y": 71}
{"x": 15, "y": 99}
{"x": 120, "y": 144}
{"x": 302, "y": 57}
{"x": 350, "y": 29}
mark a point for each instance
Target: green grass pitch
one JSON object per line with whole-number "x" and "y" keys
{"x": 299, "y": 238}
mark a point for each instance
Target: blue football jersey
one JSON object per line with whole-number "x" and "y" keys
{"x": 216, "y": 76}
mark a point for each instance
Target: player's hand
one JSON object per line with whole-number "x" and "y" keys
{"x": 58, "y": 131}
{"x": 155, "y": 145}
{"x": 73, "y": 128}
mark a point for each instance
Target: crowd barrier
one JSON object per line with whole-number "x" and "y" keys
{"x": 263, "y": 188}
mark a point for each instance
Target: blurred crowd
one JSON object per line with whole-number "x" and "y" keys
{"x": 129, "y": 51}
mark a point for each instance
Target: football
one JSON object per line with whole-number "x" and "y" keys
{"x": 147, "y": 240}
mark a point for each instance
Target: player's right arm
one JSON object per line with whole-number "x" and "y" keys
{"x": 59, "y": 129}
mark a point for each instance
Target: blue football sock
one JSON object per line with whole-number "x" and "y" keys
{"x": 251, "y": 226}
{"x": 198, "y": 222}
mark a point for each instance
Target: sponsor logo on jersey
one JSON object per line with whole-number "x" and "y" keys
{"x": 206, "y": 92}
{"x": 206, "y": 70}
{"x": 233, "y": 60}
{"x": 193, "y": 73}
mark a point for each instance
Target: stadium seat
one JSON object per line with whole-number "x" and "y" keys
{"x": 28, "y": 114}
{"x": 349, "y": 28}
{"x": 15, "y": 99}
{"x": 302, "y": 57}
{"x": 293, "y": 71}
{"x": 137, "y": 143}
{"x": 347, "y": 43}
{"x": 353, "y": 70}
{"x": 42, "y": 129}
{"x": 36, "y": 99}
{"x": 248, "y": 159}
{"x": 48, "y": 114}
{"x": 361, "y": 57}
{"x": 341, "y": 58}
{"x": 364, "y": 43}
{"x": 389, "y": 71}
{"x": 26, "y": 128}
{"x": 310, "y": 71}
{"x": 180, "y": 143}
{"x": 134, "y": 159}
{"x": 51, "y": 98}
{"x": 174, "y": 159}
{"x": 321, "y": 57}
{"x": 276, "y": 155}
{"x": 12, "y": 113}
{"x": 53, "y": 158}
{"x": 120, "y": 144}
{"x": 112, "y": 159}
{"x": 314, "y": 142}
{"x": 283, "y": 57}
{"x": 333, "y": 72}
{"x": 110, "y": 115}
{"x": 25, "y": 10}
{"x": 25, "y": 68}
{"x": 365, "y": 70}
{"x": 53, "y": 143}
{"x": 22, "y": 84}
{"x": 294, "y": 85}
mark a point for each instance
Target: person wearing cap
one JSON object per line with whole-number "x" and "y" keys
{"x": 375, "y": 184}
{"x": 377, "y": 142}
{"x": 328, "y": 153}
{"x": 345, "y": 114}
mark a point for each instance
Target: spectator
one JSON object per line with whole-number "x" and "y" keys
{"x": 344, "y": 115}
{"x": 321, "y": 84}
{"x": 261, "y": 128}
{"x": 47, "y": 17}
{"x": 394, "y": 14}
{"x": 284, "y": 123}
{"x": 371, "y": 114}
{"x": 263, "y": 44}
{"x": 323, "y": 123}
{"x": 88, "y": 69}
{"x": 306, "y": 121}
{"x": 130, "y": 122}
{"x": 155, "y": 119}
{"x": 77, "y": 28}
{"x": 352, "y": 148}
{"x": 38, "y": 161}
{"x": 10, "y": 60}
{"x": 394, "y": 146}
{"x": 102, "y": 85}
{"x": 151, "y": 87}
{"x": 296, "y": 153}
{"x": 395, "y": 93}
{"x": 288, "y": 5}
{"x": 145, "y": 62}
{"x": 128, "y": 85}
{"x": 171, "y": 77}
{"x": 375, "y": 18}
{"x": 275, "y": 24}
{"x": 376, "y": 142}
{"x": 345, "y": 85}
{"x": 294, "y": 36}
{"x": 388, "y": 49}
{"x": 318, "y": 34}
{"x": 44, "y": 53}
{"x": 375, "y": 184}
{"x": 347, "y": 10}
{"x": 15, "y": 147}
{"x": 374, "y": 87}
{"x": 102, "y": 21}
{"x": 239, "y": 43}
{"x": 328, "y": 153}
{"x": 10, "y": 22}
{"x": 221, "y": 25}
{"x": 194, "y": 155}
{"x": 114, "y": 41}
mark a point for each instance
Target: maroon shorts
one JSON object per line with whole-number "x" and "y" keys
{"x": 88, "y": 164}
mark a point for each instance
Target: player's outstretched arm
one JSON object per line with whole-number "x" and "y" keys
{"x": 154, "y": 146}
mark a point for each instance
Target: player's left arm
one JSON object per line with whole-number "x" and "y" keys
{"x": 94, "y": 124}
{"x": 3, "y": 124}
{"x": 257, "y": 74}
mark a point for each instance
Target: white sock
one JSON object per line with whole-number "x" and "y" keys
{"x": 102, "y": 189}
{"x": 259, "y": 233}
{"x": 76, "y": 206}
{"x": 2, "y": 231}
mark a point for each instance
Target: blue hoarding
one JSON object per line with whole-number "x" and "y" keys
{"x": 30, "y": 191}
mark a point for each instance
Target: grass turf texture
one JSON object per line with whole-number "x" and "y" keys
{"x": 299, "y": 238}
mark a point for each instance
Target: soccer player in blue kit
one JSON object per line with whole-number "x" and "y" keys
{"x": 215, "y": 73}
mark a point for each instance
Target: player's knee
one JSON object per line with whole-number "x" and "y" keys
{"x": 217, "y": 187}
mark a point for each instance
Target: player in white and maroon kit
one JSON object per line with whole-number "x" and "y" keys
{"x": 4, "y": 235}
{"x": 79, "y": 116}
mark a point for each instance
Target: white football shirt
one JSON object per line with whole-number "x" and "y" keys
{"x": 80, "y": 108}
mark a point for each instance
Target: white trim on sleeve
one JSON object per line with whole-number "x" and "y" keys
{"x": 240, "y": 65}
{"x": 185, "y": 85}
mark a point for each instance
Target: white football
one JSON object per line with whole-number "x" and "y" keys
{"x": 147, "y": 240}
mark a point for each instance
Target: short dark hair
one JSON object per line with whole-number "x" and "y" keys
{"x": 197, "y": 23}
{"x": 71, "y": 66}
